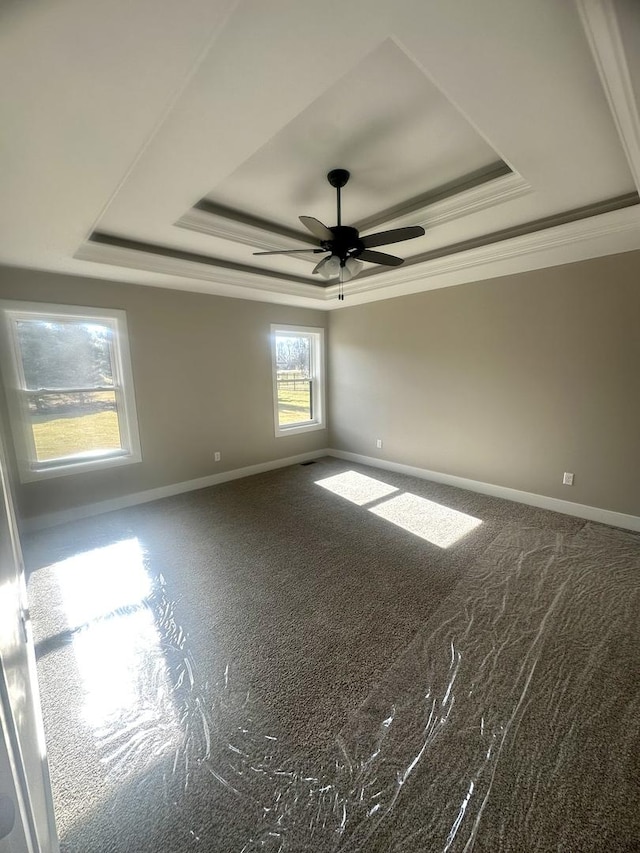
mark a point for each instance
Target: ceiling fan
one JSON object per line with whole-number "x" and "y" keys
{"x": 343, "y": 245}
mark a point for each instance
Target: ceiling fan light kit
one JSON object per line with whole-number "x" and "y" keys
{"x": 344, "y": 247}
{"x": 351, "y": 268}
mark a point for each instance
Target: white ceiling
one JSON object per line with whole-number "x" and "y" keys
{"x": 508, "y": 128}
{"x": 379, "y": 118}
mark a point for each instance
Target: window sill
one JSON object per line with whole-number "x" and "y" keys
{"x": 298, "y": 429}
{"x": 32, "y": 475}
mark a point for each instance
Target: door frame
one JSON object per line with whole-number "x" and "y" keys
{"x": 38, "y": 825}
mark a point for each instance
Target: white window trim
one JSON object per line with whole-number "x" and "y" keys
{"x": 28, "y": 467}
{"x": 318, "y": 374}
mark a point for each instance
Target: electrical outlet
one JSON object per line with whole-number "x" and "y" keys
{"x": 379, "y": 443}
{"x": 567, "y": 479}
{"x": 216, "y": 456}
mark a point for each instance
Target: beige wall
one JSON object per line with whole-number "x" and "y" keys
{"x": 202, "y": 373}
{"x": 511, "y": 381}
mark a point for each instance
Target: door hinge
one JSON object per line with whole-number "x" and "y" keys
{"x": 25, "y": 616}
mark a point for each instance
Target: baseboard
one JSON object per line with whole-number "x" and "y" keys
{"x": 591, "y": 513}
{"x": 51, "y": 519}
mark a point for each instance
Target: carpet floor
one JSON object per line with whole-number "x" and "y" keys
{"x": 328, "y": 657}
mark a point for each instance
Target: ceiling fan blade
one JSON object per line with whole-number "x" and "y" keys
{"x": 292, "y": 251}
{"x": 316, "y": 227}
{"x": 380, "y": 258}
{"x": 396, "y": 235}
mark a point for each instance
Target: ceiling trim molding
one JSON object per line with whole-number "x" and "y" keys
{"x": 102, "y": 238}
{"x": 603, "y": 34}
{"x": 606, "y": 231}
{"x": 476, "y": 191}
{"x": 487, "y": 195}
{"x": 142, "y": 256}
{"x": 535, "y": 226}
{"x": 604, "y": 227}
{"x": 452, "y": 201}
{"x": 227, "y": 224}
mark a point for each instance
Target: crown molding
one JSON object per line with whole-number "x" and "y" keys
{"x": 142, "y": 256}
{"x": 604, "y": 234}
{"x": 608, "y": 232}
{"x": 479, "y": 191}
{"x": 602, "y": 29}
{"x": 579, "y": 214}
{"x": 485, "y": 188}
{"x": 487, "y": 195}
{"x": 216, "y": 221}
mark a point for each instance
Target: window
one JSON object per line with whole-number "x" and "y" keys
{"x": 68, "y": 375}
{"x": 298, "y": 379}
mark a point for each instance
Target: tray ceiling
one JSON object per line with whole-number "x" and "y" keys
{"x": 381, "y": 118}
{"x": 164, "y": 143}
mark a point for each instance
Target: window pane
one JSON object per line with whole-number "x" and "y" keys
{"x": 65, "y": 354}
{"x": 79, "y": 424}
{"x": 293, "y": 379}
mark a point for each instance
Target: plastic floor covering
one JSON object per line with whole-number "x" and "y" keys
{"x": 509, "y": 722}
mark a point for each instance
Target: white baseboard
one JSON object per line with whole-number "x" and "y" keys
{"x": 591, "y": 513}
{"x": 51, "y": 519}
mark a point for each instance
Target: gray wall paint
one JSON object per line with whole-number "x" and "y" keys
{"x": 202, "y": 373}
{"x": 511, "y": 381}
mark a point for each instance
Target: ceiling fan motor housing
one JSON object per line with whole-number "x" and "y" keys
{"x": 345, "y": 244}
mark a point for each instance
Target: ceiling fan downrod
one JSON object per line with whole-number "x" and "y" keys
{"x": 338, "y": 179}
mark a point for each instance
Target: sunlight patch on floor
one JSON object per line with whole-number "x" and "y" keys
{"x": 96, "y": 583}
{"x": 357, "y": 488}
{"x": 431, "y": 521}
{"x": 438, "y": 524}
{"x": 118, "y": 647}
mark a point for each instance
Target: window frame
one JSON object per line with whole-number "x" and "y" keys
{"x": 317, "y": 377}
{"x": 29, "y": 468}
